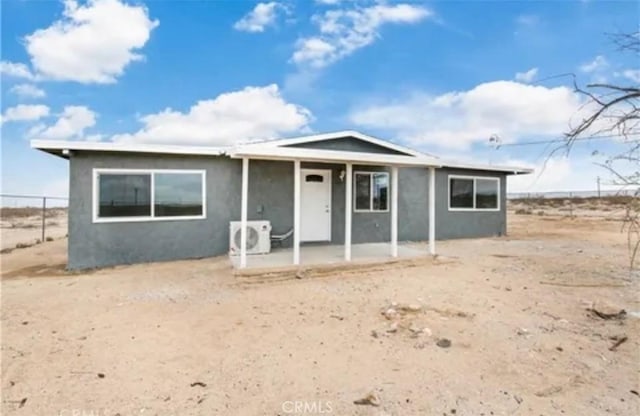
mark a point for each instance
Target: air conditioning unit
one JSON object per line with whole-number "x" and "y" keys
{"x": 258, "y": 237}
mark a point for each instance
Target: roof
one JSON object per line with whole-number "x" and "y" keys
{"x": 337, "y": 135}
{"x": 62, "y": 148}
{"x": 279, "y": 150}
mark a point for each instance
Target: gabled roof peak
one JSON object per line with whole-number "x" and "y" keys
{"x": 339, "y": 135}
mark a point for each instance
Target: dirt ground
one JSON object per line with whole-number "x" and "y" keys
{"x": 23, "y": 226}
{"x": 189, "y": 338}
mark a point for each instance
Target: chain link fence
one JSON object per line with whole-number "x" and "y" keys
{"x": 596, "y": 203}
{"x": 30, "y": 219}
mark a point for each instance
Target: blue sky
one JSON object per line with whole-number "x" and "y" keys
{"x": 442, "y": 77}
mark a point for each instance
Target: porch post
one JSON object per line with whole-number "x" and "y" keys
{"x": 348, "y": 211}
{"x": 296, "y": 212}
{"x": 394, "y": 211}
{"x": 432, "y": 210}
{"x": 243, "y": 213}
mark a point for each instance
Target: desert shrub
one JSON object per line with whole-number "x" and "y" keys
{"x": 23, "y": 212}
{"x": 541, "y": 213}
{"x": 523, "y": 211}
{"x": 49, "y": 238}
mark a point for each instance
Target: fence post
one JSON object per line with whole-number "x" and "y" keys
{"x": 570, "y": 204}
{"x": 44, "y": 212}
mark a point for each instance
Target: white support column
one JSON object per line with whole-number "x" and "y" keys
{"x": 296, "y": 212}
{"x": 394, "y": 211}
{"x": 348, "y": 211}
{"x": 243, "y": 213}
{"x": 432, "y": 211}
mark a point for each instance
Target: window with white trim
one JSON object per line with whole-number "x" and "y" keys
{"x": 371, "y": 191}
{"x": 139, "y": 195}
{"x": 474, "y": 193}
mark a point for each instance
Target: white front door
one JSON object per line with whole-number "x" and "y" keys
{"x": 315, "y": 205}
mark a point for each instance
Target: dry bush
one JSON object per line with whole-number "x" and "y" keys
{"x": 24, "y": 212}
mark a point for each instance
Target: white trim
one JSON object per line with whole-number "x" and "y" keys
{"x": 95, "y": 201}
{"x": 296, "y": 212}
{"x": 370, "y": 173}
{"x": 311, "y": 171}
{"x": 348, "y": 211}
{"x": 432, "y": 211}
{"x": 337, "y": 135}
{"x": 243, "y": 212}
{"x": 515, "y": 170}
{"x": 62, "y": 146}
{"x": 394, "y": 211}
{"x": 473, "y": 178}
{"x": 331, "y": 156}
{"x": 274, "y": 150}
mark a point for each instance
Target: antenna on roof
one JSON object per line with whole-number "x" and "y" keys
{"x": 495, "y": 141}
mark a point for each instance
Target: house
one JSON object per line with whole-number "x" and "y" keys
{"x": 132, "y": 203}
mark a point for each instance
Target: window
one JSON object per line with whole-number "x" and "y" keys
{"x": 314, "y": 178}
{"x": 461, "y": 194}
{"x": 177, "y": 194}
{"x": 142, "y": 195}
{"x": 371, "y": 191}
{"x": 487, "y": 193}
{"x": 469, "y": 193}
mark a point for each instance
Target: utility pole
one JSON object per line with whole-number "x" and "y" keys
{"x": 598, "y": 187}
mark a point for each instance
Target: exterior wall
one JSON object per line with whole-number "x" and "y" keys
{"x": 106, "y": 244}
{"x": 270, "y": 198}
{"x": 348, "y": 144}
{"x": 467, "y": 224}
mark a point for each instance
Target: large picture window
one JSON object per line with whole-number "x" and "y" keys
{"x": 470, "y": 193}
{"x": 140, "y": 195}
{"x": 371, "y": 191}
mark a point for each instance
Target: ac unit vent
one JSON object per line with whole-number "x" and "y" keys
{"x": 258, "y": 237}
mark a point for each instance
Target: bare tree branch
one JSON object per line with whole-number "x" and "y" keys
{"x": 616, "y": 108}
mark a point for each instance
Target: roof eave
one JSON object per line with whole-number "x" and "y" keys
{"x": 59, "y": 148}
{"x": 331, "y": 156}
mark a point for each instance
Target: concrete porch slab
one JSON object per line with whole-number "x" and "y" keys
{"x": 323, "y": 255}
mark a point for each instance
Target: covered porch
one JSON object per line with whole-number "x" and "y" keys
{"x": 305, "y": 251}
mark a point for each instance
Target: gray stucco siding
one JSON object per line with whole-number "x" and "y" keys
{"x": 270, "y": 198}
{"x": 468, "y": 224}
{"x": 348, "y": 144}
{"x": 105, "y": 244}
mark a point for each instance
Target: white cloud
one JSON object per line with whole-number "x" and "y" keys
{"x": 328, "y": 2}
{"x": 527, "y": 76}
{"x": 71, "y": 124}
{"x": 599, "y": 63}
{"x": 249, "y": 114}
{"x": 16, "y": 69}
{"x": 25, "y": 112}
{"x": 342, "y": 32}
{"x": 92, "y": 43}
{"x": 528, "y": 20}
{"x": 94, "y": 138}
{"x": 560, "y": 173}
{"x": 263, "y": 15}
{"x": 507, "y": 109}
{"x": 28, "y": 91}
{"x": 632, "y": 74}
